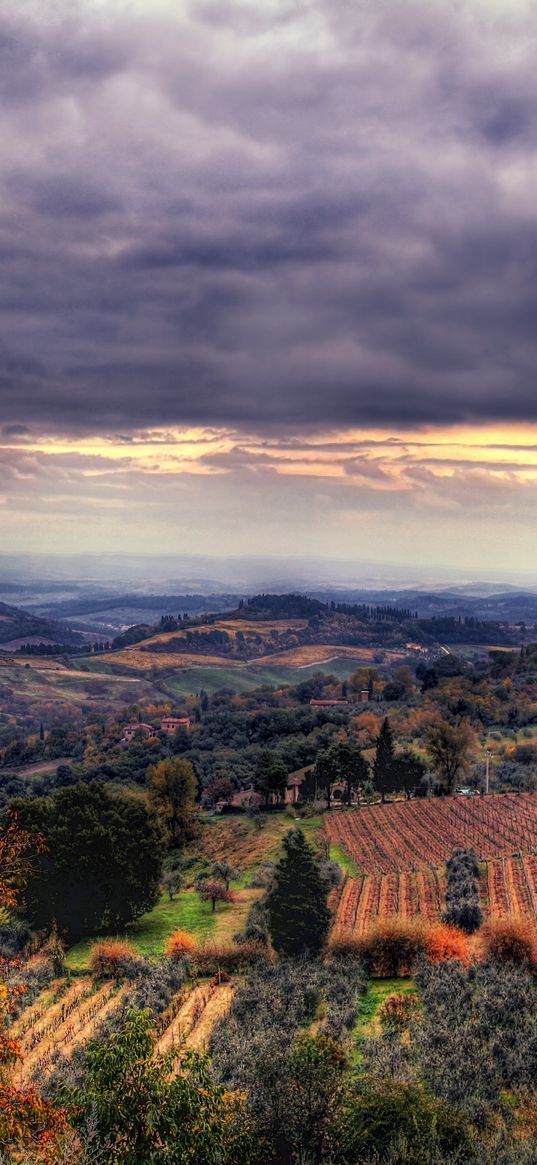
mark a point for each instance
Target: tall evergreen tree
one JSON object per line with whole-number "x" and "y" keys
{"x": 296, "y": 903}
{"x": 384, "y": 763}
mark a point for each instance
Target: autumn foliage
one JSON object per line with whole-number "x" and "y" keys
{"x": 510, "y": 940}
{"x": 26, "y": 1120}
{"x": 29, "y": 1122}
{"x": 16, "y": 846}
{"x": 111, "y": 957}
{"x": 392, "y": 947}
{"x": 445, "y": 942}
{"x": 180, "y": 943}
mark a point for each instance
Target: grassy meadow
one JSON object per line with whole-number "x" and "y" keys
{"x": 235, "y": 838}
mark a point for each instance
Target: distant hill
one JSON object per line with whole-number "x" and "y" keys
{"x": 509, "y": 606}
{"x": 18, "y": 626}
{"x": 163, "y": 604}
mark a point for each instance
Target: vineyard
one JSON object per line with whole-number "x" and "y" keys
{"x": 508, "y": 886}
{"x": 409, "y": 835}
{"x": 61, "y": 1023}
{"x": 192, "y": 1015}
{"x": 402, "y": 848}
{"x": 68, "y": 1013}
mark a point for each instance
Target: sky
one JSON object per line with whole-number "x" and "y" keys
{"x": 268, "y": 279}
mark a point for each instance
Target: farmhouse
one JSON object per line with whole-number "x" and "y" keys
{"x": 170, "y": 724}
{"x": 137, "y": 729}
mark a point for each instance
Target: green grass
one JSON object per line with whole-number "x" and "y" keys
{"x": 186, "y": 911}
{"x": 181, "y": 682}
{"x": 367, "y": 1023}
{"x": 343, "y": 858}
{"x": 150, "y": 933}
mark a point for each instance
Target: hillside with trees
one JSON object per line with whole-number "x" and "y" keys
{"x": 259, "y": 926}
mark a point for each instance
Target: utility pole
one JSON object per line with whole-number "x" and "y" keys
{"x": 487, "y": 770}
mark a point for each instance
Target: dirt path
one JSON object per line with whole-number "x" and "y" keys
{"x": 44, "y": 766}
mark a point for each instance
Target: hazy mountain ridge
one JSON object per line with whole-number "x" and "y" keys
{"x": 17, "y": 625}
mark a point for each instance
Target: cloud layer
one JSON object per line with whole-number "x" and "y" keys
{"x": 276, "y": 218}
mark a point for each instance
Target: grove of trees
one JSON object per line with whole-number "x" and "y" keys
{"x": 100, "y": 861}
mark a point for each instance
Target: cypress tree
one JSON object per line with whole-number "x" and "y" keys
{"x": 296, "y": 903}
{"x": 384, "y": 763}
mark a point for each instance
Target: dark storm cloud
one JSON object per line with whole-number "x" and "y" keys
{"x": 320, "y": 214}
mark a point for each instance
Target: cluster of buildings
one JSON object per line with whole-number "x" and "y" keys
{"x": 168, "y": 724}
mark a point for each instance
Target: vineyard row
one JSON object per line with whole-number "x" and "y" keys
{"x": 509, "y": 887}
{"x": 410, "y": 835}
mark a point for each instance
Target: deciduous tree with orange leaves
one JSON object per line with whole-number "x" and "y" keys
{"x": 16, "y": 848}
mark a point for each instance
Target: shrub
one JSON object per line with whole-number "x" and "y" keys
{"x": 212, "y": 957}
{"x": 392, "y": 947}
{"x": 344, "y": 946}
{"x": 512, "y": 941}
{"x": 398, "y": 1010}
{"x": 443, "y": 942}
{"x": 179, "y": 944}
{"x": 463, "y": 908}
{"x": 342, "y": 985}
{"x": 384, "y": 1116}
{"x": 114, "y": 957}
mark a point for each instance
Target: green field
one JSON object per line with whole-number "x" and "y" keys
{"x": 187, "y": 681}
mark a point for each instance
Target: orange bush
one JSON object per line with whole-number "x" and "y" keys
{"x": 443, "y": 942}
{"x": 179, "y": 944}
{"x": 28, "y": 1122}
{"x": 510, "y": 940}
{"x": 391, "y": 947}
{"x": 112, "y": 957}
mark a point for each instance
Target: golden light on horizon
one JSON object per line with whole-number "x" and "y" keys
{"x": 498, "y": 450}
